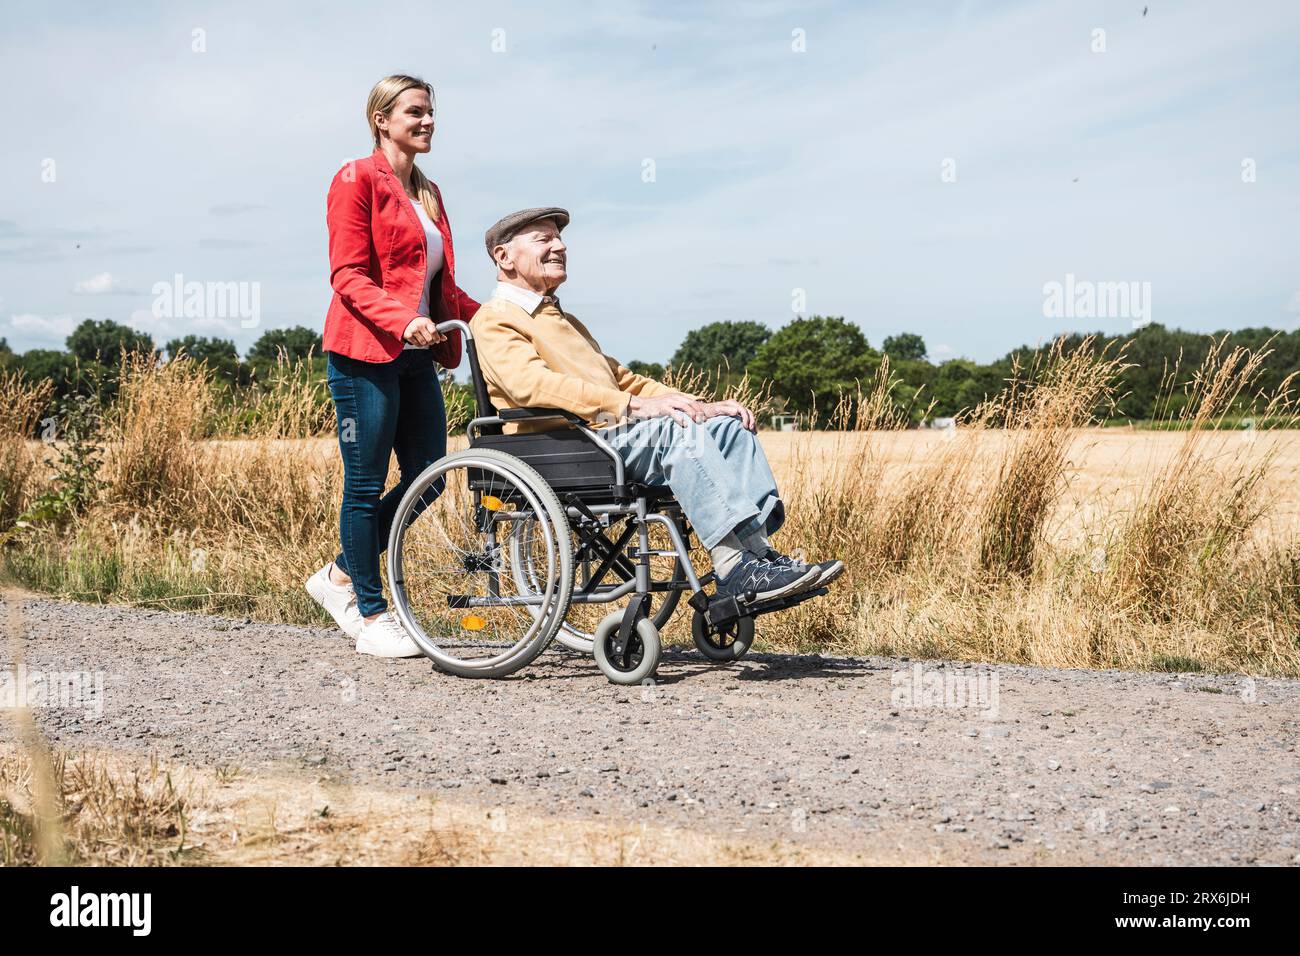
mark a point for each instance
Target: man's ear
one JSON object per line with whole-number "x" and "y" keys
{"x": 501, "y": 255}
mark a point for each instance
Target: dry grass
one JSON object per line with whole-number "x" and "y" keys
{"x": 967, "y": 549}
{"x": 1020, "y": 535}
{"x": 1196, "y": 512}
{"x": 154, "y": 434}
{"x": 289, "y": 403}
{"x": 101, "y": 814}
{"x": 1041, "y": 408}
{"x": 21, "y": 404}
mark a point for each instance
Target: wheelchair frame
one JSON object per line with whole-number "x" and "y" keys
{"x": 574, "y": 483}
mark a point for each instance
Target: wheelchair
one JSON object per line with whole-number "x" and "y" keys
{"x": 522, "y": 539}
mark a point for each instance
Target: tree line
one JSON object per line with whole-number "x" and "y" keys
{"x": 810, "y": 361}
{"x": 807, "y": 362}
{"x": 89, "y": 362}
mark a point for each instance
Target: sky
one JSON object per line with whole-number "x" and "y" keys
{"x": 930, "y": 167}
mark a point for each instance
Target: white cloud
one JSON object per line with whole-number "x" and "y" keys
{"x": 44, "y": 331}
{"x": 101, "y": 284}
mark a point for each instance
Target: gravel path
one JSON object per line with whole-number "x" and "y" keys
{"x": 1073, "y": 766}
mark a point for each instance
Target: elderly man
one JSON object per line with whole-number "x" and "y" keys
{"x": 532, "y": 353}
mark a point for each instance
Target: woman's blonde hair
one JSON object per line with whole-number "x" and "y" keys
{"x": 382, "y": 99}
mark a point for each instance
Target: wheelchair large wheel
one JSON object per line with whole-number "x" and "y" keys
{"x": 449, "y": 563}
{"x": 730, "y": 642}
{"x": 577, "y": 631}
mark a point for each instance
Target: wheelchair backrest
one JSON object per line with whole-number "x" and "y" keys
{"x": 485, "y": 407}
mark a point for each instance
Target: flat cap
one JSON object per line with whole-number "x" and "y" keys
{"x": 506, "y": 228}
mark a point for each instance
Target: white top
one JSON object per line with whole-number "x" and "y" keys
{"x": 433, "y": 239}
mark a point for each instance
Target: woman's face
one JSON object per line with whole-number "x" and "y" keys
{"x": 410, "y": 124}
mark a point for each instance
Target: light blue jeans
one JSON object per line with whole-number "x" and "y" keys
{"x": 717, "y": 472}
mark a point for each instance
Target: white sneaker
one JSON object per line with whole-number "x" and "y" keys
{"x": 339, "y": 599}
{"x": 385, "y": 637}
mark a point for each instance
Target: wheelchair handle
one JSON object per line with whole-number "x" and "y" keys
{"x": 456, "y": 324}
{"x": 481, "y": 398}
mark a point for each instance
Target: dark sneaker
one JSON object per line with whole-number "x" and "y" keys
{"x": 828, "y": 570}
{"x": 765, "y": 578}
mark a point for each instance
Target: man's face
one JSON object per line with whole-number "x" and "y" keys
{"x": 537, "y": 255}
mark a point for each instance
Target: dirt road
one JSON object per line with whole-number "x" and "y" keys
{"x": 871, "y": 757}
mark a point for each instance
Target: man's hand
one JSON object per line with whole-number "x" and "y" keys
{"x": 423, "y": 331}
{"x": 683, "y": 408}
{"x": 733, "y": 408}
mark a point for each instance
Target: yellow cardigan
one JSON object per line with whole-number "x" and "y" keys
{"x": 549, "y": 359}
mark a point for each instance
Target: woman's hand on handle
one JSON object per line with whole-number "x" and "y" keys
{"x": 423, "y": 331}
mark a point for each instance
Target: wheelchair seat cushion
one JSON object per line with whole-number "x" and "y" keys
{"x": 562, "y": 456}
{"x": 569, "y": 463}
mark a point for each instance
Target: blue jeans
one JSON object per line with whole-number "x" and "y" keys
{"x": 717, "y": 472}
{"x": 382, "y": 408}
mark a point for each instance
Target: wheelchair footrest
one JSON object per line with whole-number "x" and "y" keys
{"x": 725, "y": 610}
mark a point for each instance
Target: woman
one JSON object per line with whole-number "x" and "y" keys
{"x": 392, "y": 270}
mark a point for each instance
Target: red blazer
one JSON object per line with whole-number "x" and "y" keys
{"x": 378, "y": 258}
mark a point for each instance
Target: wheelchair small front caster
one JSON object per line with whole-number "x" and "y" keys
{"x": 640, "y": 657}
{"x": 730, "y": 642}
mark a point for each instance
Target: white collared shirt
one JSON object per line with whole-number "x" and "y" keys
{"x": 526, "y": 299}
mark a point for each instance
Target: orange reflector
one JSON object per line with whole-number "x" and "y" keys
{"x": 472, "y": 622}
{"x": 493, "y": 503}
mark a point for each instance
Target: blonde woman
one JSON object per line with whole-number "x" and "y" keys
{"x": 392, "y": 269}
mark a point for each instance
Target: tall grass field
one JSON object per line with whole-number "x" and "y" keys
{"x": 1025, "y": 533}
